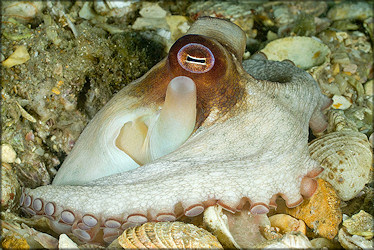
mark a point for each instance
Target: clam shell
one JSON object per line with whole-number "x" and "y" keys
{"x": 305, "y": 52}
{"x": 346, "y": 158}
{"x": 167, "y": 235}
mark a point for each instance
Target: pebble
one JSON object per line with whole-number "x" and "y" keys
{"x": 8, "y": 154}
{"x": 321, "y": 212}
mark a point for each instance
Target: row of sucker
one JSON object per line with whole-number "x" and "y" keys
{"x": 90, "y": 227}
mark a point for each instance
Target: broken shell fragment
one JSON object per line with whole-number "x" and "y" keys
{"x": 19, "y": 56}
{"x": 239, "y": 230}
{"x": 346, "y": 158}
{"x": 167, "y": 235}
{"x": 304, "y": 52}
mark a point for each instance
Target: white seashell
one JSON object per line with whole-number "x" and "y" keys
{"x": 305, "y": 52}
{"x": 346, "y": 157}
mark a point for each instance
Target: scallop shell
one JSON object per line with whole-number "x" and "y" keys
{"x": 305, "y": 52}
{"x": 167, "y": 235}
{"x": 346, "y": 157}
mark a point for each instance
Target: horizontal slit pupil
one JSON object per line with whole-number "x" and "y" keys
{"x": 191, "y": 59}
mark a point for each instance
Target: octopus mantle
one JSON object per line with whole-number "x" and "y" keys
{"x": 248, "y": 145}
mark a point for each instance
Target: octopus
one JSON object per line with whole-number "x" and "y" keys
{"x": 202, "y": 127}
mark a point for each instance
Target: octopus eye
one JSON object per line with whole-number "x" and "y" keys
{"x": 195, "y": 58}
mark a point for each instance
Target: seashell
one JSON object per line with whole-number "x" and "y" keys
{"x": 287, "y": 223}
{"x": 346, "y": 158}
{"x": 304, "y": 52}
{"x": 289, "y": 240}
{"x": 239, "y": 230}
{"x": 321, "y": 212}
{"x": 167, "y": 235}
{"x": 360, "y": 224}
{"x": 10, "y": 187}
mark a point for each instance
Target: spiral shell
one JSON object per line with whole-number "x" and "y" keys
{"x": 167, "y": 235}
{"x": 346, "y": 157}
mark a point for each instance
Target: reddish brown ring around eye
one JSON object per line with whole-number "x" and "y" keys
{"x": 195, "y": 58}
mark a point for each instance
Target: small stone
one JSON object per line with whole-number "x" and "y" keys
{"x": 321, "y": 212}
{"x": 19, "y": 56}
{"x": 340, "y": 102}
{"x": 8, "y": 154}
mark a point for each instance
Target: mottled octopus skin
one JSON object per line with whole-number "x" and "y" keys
{"x": 249, "y": 145}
